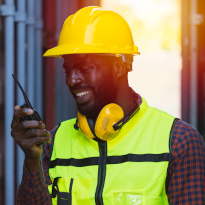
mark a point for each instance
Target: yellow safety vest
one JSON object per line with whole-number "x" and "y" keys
{"x": 130, "y": 169}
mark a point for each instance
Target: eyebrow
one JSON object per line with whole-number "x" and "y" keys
{"x": 79, "y": 64}
{"x": 76, "y": 65}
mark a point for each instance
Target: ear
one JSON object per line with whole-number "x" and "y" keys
{"x": 119, "y": 68}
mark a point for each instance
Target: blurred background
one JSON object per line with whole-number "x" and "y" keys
{"x": 169, "y": 73}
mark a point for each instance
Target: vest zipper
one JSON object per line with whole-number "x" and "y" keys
{"x": 101, "y": 172}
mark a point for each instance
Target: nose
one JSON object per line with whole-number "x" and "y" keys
{"x": 73, "y": 78}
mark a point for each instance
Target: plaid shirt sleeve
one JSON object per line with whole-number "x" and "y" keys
{"x": 34, "y": 187}
{"x": 186, "y": 173}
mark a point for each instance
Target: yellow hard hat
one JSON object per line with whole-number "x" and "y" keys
{"x": 94, "y": 30}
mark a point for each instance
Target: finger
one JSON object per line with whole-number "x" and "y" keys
{"x": 14, "y": 120}
{"x": 23, "y": 111}
{"x": 27, "y": 124}
{"x": 31, "y": 124}
{"x": 17, "y": 107}
{"x": 20, "y": 112}
{"x": 41, "y": 140}
{"x": 29, "y": 135}
{"x": 32, "y": 133}
{"x": 32, "y": 146}
{"x": 29, "y": 144}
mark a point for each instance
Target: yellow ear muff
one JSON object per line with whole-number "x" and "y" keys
{"x": 109, "y": 122}
{"x": 108, "y": 116}
{"x": 83, "y": 124}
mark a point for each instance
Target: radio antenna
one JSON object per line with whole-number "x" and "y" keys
{"x": 24, "y": 94}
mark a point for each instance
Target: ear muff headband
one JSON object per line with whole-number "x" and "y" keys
{"x": 127, "y": 117}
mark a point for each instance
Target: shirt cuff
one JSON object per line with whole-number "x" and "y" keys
{"x": 31, "y": 180}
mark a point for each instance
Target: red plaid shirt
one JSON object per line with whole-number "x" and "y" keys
{"x": 185, "y": 183}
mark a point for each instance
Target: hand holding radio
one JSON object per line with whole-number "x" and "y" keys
{"x": 28, "y": 130}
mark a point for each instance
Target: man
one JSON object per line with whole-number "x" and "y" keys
{"x": 118, "y": 150}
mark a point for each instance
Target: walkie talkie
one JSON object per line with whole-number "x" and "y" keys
{"x": 27, "y": 104}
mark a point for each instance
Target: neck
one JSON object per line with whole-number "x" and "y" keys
{"x": 125, "y": 99}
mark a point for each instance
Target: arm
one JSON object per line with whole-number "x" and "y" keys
{"x": 34, "y": 186}
{"x": 33, "y": 189}
{"x": 29, "y": 135}
{"x": 186, "y": 173}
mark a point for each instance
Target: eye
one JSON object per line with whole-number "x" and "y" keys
{"x": 85, "y": 68}
{"x": 66, "y": 69}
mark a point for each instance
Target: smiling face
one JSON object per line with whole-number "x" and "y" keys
{"x": 91, "y": 80}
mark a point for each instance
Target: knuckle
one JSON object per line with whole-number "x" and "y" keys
{"x": 36, "y": 124}
{"x": 41, "y": 132}
{"x": 37, "y": 133}
{"x": 33, "y": 132}
{"x": 24, "y": 110}
{"x": 24, "y": 124}
{"x": 35, "y": 140}
{"x": 17, "y": 113}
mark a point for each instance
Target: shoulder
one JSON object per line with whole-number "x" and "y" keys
{"x": 185, "y": 134}
{"x": 53, "y": 131}
{"x": 64, "y": 125}
{"x": 69, "y": 122}
{"x": 186, "y": 142}
{"x": 182, "y": 127}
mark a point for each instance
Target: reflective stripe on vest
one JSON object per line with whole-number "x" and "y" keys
{"x": 130, "y": 169}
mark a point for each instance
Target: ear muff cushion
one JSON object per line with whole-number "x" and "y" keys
{"x": 83, "y": 124}
{"x": 108, "y": 116}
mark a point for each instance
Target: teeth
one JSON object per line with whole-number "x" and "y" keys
{"x": 82, "y": 93}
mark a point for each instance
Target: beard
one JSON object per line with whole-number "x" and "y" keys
{"x": 106, "y": 94}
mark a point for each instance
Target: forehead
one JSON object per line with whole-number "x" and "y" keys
{"x": 97, "y": 59}
{"x": 72, "y": 59}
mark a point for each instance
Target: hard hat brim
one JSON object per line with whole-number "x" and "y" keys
{"x": 78, "y": 49}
